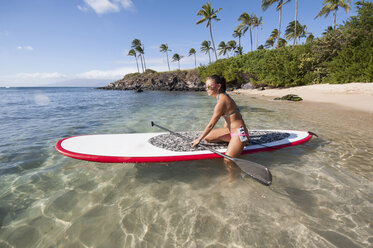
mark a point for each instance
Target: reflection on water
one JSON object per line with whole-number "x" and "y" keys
{"x": 321, "y": 194}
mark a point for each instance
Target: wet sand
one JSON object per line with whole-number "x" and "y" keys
{"x": 356, "y": 96}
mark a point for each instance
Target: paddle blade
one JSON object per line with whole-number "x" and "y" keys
{"x": 257, "y": 171}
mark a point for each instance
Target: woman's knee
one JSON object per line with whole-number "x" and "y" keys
{"x": 209, "y": 138}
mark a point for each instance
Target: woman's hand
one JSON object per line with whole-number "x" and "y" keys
{"x": 195, "y": 142}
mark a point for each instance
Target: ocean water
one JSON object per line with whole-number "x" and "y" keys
{"x": 321, "y": 196}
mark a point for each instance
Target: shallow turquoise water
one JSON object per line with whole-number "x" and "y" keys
{"x": 321, "y": 194}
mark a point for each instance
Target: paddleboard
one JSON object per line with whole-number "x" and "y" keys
{"x": 165, "y": 147}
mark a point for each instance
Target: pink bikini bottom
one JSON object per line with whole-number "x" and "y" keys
{"x": 238, "y": 134}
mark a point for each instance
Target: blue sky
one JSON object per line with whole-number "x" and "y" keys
{"x": 85, "y": 42}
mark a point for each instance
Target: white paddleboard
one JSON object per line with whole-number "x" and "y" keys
{"x": 148, "y": 147}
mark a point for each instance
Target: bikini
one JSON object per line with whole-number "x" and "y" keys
{"x": 241, "y": 130}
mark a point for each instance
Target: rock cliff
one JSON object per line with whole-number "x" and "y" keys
{"x": 186, "y": 80}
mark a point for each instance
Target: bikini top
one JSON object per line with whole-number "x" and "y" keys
{"x": 234, "y": 112}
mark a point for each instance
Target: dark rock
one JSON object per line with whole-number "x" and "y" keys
{"x": 247, "y": 86}
{"x": 289, "y": 97}
{"x": 187, "y": 80}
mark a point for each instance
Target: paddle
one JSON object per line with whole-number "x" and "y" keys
{"x": 257, "y": 171}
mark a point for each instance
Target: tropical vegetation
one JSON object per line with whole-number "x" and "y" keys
{"x": 342, "y": 54}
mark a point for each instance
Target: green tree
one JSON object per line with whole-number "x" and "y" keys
{"x": 295, "y": 20}
{"x": 272, "y": 39}
{"x": 290, "y": 32}
{"x": 334, "y": 5}
{"x": 267, "y": 3}
{"x": 238, "y": 33}
{"x": 164, "y": 49}
{"x": 247, "y": 23}
{"x": 257, "y": 23}
{"x": 192, "y": 51}
{"x": 208, "y": 14}
{"x": 223, "y": 49}
{"x": 206, "y": 47}
{"x": 310, "y": 38}
{"x": 132, "y": 52}
{"x": 136, "y": 44}
{"x": 282, "y": 42}
{"x": 232, "y": 46}
{"x": 177, "y": 58}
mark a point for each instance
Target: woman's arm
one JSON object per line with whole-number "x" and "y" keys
{"x": 218, "y": 111}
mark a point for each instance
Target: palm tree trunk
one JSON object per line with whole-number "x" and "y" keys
{"x": 137, "y": 64}
{"x": 144, "y": 61}
{"x": 179, "y": 64}
{"x": 251, "y": 39}
{"x": 168, "y": 63}
{"x": 335, "y": 18}
{"x": 257, "y": 35}
{"x": 213, "y": 44}
{"x": 142, "y": 65}
{"x": 195, "y": 61}
{"x": 239, "y": 42}
{"x": 295, "y": 21}
{"x": 279, "y": 27}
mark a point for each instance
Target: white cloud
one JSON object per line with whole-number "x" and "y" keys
{"x": 27, "y": 48}
{"x": 41, "y": 76}
{"x": 108, "y": 74}
{"x": 31, "y": 79}
{"x": 83, "y": 8}
{"x": 106, "y": 6}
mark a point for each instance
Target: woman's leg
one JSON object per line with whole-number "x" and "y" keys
{"x": 234, "y": 149}
{"x": 218, "y": 135}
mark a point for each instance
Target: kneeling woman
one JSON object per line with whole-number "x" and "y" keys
{"x": 234, "y": 130}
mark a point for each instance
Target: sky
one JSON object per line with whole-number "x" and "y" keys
{"x": 86, "y": 42}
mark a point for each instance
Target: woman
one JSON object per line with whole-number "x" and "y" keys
{"x": 234, "y": 130}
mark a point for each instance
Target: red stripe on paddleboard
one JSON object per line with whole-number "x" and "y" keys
{"x": 113, "y": 159}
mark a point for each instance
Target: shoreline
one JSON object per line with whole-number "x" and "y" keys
{"x": 356, "y": 96}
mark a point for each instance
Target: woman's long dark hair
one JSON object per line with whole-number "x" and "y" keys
{"x": 219, "y": 80}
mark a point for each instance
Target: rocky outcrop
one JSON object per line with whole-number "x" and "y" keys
{"x": 187, "y": 80}
{"x": 289, "y": 97}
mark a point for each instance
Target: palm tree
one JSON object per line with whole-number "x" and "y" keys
{"x": 269, "y": 42}
{"x": 238, "y": 33}
{"x": 132, "y": 52}
{"x": 141, "y": 52}
{"x": 256, "y": 23}
{"x": 310, "y": 38}
{"x": 164, "y": 48}
{"x": 206, "y": 47}
{"x": 192, "y": 51}
{"x": 208, "y": 14}
{"x": 223, "y": 49}
{"x": 272, "y": 39}
{"x": 232, "y": 46}
{"x": 136, "y": 44}
{"x": 247, "y": 23}
{"x": 238, "y": 51}
{"x": 295, "y": 20}
{"x": 282, "y": 42}
{"x": 177, "y": 58}
{"x": 290, "y": 31}
{"x": 333, "y": 5}
{"x": 267, "y": 3}
{"x": 328, "y": 30}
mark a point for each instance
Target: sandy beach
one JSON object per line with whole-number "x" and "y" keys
{"x": 356, "y": 96}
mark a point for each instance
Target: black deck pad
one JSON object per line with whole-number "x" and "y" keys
{"x": 177, "y": 144}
